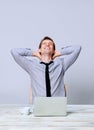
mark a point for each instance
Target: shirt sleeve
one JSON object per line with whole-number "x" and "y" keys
{"x": 70, "y": 54}
{"x": 20, "y": 56}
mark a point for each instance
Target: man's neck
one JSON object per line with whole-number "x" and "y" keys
{"x": 46, "y": 58}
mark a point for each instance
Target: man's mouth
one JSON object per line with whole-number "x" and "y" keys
{"x": 47, "y": 48}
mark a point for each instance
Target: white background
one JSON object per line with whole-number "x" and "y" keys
{"x": 23, "y": 23}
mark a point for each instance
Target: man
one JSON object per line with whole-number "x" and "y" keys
{"x": 58, "y": 62}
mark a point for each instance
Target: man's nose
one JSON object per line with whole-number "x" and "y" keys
{"x": 47, "y": 44}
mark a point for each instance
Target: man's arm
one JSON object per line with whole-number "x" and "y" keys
{"x": 20, "y": 54}
{"x": 71, "y": 54}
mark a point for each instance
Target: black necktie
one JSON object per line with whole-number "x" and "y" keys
{"x": 47, "y": 79}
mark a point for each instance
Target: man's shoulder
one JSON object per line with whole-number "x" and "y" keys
{"x": 59, "y": 59}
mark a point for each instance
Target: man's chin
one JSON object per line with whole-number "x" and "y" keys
{"x": 47, "y": 52}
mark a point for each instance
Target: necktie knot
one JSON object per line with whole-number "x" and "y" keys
{"x": 47, "y": 64}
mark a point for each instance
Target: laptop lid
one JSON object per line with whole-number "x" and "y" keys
{"x": 50, "y": 106}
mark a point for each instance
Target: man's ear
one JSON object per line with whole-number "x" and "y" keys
{"x": 53, "y": 53}
{"x": 39, "y": 51}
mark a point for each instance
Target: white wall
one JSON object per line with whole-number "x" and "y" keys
{"x": 23, "y": 23}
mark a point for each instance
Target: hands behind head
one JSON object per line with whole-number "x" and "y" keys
{"x": 56, "y": 54}
{"x": 38, "y": 54}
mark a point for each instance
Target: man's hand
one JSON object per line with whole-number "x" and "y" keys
{"x": 37, "y": 54}
{"x": 56, "y": 54}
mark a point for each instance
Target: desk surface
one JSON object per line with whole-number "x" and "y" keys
{"x": 79, "y": 117}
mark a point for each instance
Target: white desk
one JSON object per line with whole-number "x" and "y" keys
{"x": 79, "y": 117}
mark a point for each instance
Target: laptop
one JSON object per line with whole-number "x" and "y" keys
{"x": 50, "y": 106}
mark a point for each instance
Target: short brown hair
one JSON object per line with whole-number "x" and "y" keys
{"x": 47, "y": 38}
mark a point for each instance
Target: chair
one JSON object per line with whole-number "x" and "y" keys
{"x": 30, "y": 99}
{"x": 65, "y": 87}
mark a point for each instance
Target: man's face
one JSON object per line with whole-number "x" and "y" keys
{"x": 47, "y": 47}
